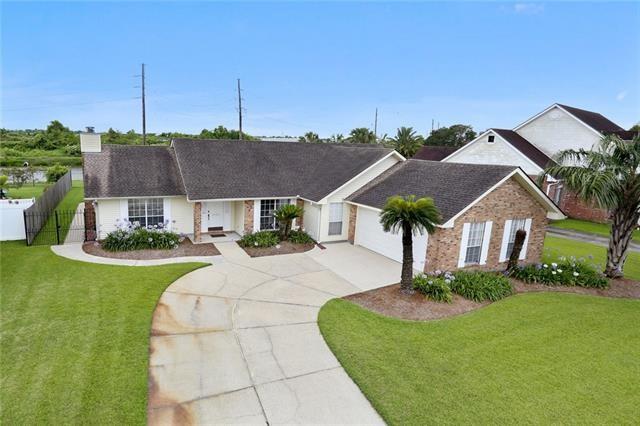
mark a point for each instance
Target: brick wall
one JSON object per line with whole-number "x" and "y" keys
{"x": 353, "y": 213}
{"x": 508, "y": 201}
{"x": 248, "y": 216}
{"x": 197, "y": 221}
{"x": 576, "y": 208}
{"x": 89, "y": 221}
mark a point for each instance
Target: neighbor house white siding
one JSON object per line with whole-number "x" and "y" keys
{"x": 107, "y": 213}
{"x": 311, "y": 218}
{"x": 481, "y": 151}
{"x": 344, "y": 192}
{"x": 556, "y": 130}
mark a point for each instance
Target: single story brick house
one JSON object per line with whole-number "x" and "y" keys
{"x": 198, "y": 187}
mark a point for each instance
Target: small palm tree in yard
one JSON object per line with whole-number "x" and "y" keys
{"x": 608, "y": 175}
{"x": 407, "y": 142}
{"x": 410, "y": 215}
{"x": 285, "y": 216}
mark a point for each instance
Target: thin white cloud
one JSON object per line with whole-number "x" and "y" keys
{"x": 620, "y": 96}
{"x": 528, "y": 8}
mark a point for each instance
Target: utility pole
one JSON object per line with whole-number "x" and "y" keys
{"x": 239, "y": 110}
{"x": 375, "y": 126}
{"x": 432, "y": 125}
{"x": 144, "y": 113}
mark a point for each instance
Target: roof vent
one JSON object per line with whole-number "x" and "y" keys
{"x": 491, "y": 139}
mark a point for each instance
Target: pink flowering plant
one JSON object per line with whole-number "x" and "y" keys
{"x": 130, "y": 236}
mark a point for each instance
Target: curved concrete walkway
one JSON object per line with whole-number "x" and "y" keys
{"x": 238, "y": 341}
{"x": 74, "y": 251}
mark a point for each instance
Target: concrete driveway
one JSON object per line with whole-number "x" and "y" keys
{"x": 238, "y": 341}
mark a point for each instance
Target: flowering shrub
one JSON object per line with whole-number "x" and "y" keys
{"x": 481, "y": 286}
{"x": 131, "y": 236}
{"x": 568, "y": 271}
{"x": 434, "y": 286}
{"x": 300, "y": 237}
{"x": 259, "y": 239}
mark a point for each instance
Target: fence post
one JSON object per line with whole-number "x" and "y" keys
{"x": 57, "y": 228}
{"x": 26, "y": 232}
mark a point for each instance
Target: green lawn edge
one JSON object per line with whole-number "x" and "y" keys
{"x": 601, "y": 229}
{"x": 76, "y": 336}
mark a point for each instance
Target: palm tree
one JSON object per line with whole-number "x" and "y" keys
{"x": 608, "y": 175}
{"x": 285, "y": 216}
{"x": 411, "y": 216}
{"x": 362, "y": 135}
{"x": 310, "y": 137}
{"x": 407, "y": 142}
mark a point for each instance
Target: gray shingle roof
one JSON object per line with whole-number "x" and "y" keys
{"x": 594, "y": 120}
{"x": 453, "y": 186}
{"x": 131, "y": 171}
{"x": 217, "y": 169}
{"x": 525, "y": 147}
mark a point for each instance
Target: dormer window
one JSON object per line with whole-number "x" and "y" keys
{"x": 491, "y": 139}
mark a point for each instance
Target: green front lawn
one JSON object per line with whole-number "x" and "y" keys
{"x": 537, "y": 358}
{"x": 75, "y": 337}
{"x": 601, "y": 229}
{"x": 555, "y": 247}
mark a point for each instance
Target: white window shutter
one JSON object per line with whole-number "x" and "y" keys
{"x": 505, "y": 240}
{"x": 256, "y": 215}
{"x": 527, "y": 228}
{"x": 124, "y": 209}
{"x": 166, "y": 211}
{"x": 463, "y": 244}
{"x": 486, "y": 239}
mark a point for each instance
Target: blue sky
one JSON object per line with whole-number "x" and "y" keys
{"x": 316, "y": 66}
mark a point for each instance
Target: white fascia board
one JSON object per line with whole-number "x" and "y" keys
{"x": 553, "y": 211}
{"x": 394, "y": 153}
{"x": 134, "y": 196}
{"x": 208, "y": 200}
{"x": 515, "y": 129}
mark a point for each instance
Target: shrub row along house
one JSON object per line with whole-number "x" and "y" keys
{"x": 210, "y": 186}
{"x": 532, "y": 146}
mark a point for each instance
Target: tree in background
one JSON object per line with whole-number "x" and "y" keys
{"x": 3, "y": 186}
{"x": 407, "y": 142}
{"x": 309, "y": 137}
{"x": 55, "y": 172}
{"x": 361, "y": 135}
{"x": 410, "y": 216}
{"x": 336, "y": 138}
{"x": 55, "y": 136}
{"x": 456, "y": 136}
{"x": 607, "y": 175}
{"x": 222, "y": 132}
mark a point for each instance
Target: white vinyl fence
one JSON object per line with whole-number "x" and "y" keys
{"x": 12, "y": 218}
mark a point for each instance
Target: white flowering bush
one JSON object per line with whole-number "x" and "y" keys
{"x": 566, "y": 271}
{"x": 473, "y": 285}
{"x": 434, "y": 286}
{"x": 131, "y": 236}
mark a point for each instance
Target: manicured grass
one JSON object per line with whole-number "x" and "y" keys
{"x": 27, "y": 190}
{"x": 538, "y": 358}
{"x": 75, "y": 337}
{"x": 555, "y": 247}
{"x": 602, "y": 229}
{"x": 75, "y": 196}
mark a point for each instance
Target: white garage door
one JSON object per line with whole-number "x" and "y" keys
{"x": 369, "y": 234}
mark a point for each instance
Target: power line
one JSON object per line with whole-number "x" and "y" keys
{"x": 375, "y": 126}
{"x": 239, "y": 111}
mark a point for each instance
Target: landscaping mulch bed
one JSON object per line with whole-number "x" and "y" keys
{"x": 389, "y": 301}
{"x": 286, "y": 247}
{"x": 185, "y": 248}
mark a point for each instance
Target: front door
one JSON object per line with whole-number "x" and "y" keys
{"x": 213, "y": 215}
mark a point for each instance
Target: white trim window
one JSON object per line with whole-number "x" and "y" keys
{"x": 511, "y": 226}
{"x": 146, "y": 211}
{"x": 474, "y": 244}
{"x": 267, "y": 209}
{"x": 335, "y": 218}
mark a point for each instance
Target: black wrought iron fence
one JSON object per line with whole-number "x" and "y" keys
{"x": 62, "y": 226}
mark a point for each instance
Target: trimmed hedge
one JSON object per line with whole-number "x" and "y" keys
{"x": 481, "y": 286}
{"x": 140, "y": 238}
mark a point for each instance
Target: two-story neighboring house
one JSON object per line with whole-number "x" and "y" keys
{"x": 533, "y": 144}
